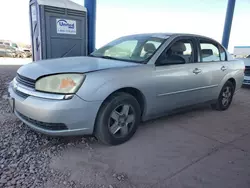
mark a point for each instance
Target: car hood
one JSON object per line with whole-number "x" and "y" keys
{"x": 70, "y": 65}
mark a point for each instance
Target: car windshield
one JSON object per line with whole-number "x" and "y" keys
{"x": 138, "y": 48}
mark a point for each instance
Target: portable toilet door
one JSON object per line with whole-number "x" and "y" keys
{"x": 58, "y": 29}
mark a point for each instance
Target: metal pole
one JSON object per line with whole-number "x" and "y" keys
{"x": 91, "y": 16}
{"x": 228, "y": 22}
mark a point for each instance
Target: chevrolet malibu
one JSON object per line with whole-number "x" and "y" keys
{"x": 132, "y": 79}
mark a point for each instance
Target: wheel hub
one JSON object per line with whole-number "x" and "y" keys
{"x": 122, "y": 120}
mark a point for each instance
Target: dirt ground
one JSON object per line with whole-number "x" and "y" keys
{"x": 197, "y": 148}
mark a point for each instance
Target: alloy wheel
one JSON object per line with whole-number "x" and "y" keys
{"x": 226, "y": 96}
{"x": 121, "y": 120}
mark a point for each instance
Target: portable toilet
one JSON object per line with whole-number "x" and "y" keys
{"x": 58, "y": 29}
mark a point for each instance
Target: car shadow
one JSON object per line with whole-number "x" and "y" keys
{"x": 245, "y": 86}
{"x": 178, "y": 114}
{"x": 156, "y": 122}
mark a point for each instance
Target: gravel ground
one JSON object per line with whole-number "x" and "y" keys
{"x": 25, "y": 154}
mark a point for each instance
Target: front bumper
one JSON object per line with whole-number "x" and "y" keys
{"x": 246, "y": 80}
{"x": 55, "y": 117}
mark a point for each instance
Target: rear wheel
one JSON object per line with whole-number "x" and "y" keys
{"x": 118, "y": 119}
{"x": 225, "y": 98}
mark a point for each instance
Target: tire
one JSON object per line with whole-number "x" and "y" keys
{"x": 221, "y": 103}
{"x": 117, "y": 119}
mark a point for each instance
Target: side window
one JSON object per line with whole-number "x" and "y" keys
{"x": 209, "y": 52}
{"x": 149, "y": 48}
{"x": 180, "y": 52}
{"x": 124, "y": 49}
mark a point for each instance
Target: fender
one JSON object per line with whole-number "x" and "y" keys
{"x": 237, "y": 75}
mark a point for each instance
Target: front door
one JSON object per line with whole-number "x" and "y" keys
{"x": 178, "y": 80}
{"x": 178, "y": 85}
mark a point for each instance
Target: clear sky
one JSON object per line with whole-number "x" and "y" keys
{"x": 121, "y": 17}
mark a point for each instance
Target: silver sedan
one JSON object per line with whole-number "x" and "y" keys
{"x": 132, "y": 79}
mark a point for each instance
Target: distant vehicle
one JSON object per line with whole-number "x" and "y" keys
{"x": 247, "y": 70}
{"x": 7, "y": 51}
{"x": 9, "y": 43}
{"x": 27, "y": 52}
{"x": 132, "y": 79}
{"x": 20, "y": 52}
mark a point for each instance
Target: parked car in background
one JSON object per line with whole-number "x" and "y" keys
{"x": 132, "y": 79}
{"x": 10, "y": 44}
{"x": 20, "y": 52}
{"x": 247, "y": 70}
{"x": 7, "y": 51}
{"x": 27, "y": 52}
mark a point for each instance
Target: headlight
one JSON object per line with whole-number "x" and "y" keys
{"x": 60, "y": 83}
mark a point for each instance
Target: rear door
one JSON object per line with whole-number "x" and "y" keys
{"x": 212, "y": 64}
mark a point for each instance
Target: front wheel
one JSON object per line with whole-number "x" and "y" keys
{"x": 117, "y": 119}
{"x": 225, "y": 98}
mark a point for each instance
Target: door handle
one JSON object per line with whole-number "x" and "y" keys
{"x": 223, "y": 68}
{"x": 196, "y": 71}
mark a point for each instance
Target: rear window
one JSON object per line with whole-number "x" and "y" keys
{"x": 209, "y": 52}
{"x": 212, "y": 52}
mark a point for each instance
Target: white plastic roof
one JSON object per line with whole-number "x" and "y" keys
{"x": 62, "y": 4}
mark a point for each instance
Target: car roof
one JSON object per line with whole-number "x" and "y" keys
{"x": 163, "y": 35}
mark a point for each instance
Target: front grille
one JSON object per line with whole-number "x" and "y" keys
{"x": 25, "y": 81}
{"x": 21, "y": 94}
{"x": 247, "y": 71}
{"x": 43, "y": 125}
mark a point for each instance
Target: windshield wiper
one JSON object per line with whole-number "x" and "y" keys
{"x": 108, "y": 57}
{"x": 104, "y": 57}
{"x": 113, "y": 58}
